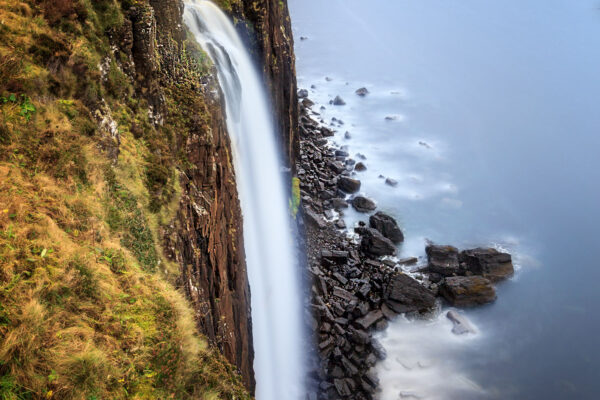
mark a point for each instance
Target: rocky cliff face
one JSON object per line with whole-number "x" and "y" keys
{"x": 275, "y": 48}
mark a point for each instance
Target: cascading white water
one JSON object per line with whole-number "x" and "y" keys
{"x": 272, "y": 272}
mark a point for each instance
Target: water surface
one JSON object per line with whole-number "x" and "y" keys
{"x": 494, "y": 141}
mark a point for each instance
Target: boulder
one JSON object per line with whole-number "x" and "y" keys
{"x": 338, "y": 101}
{"x": 442, "y": 260}
{"x": 312, "y": 218}
{"x": 375, "y": 244}
{"x": 465, "y": 291}
{"x": 302, "y": 93}
{"x": 363, "y": 204}
{"x": 404, "y": 294}
{"x": 339, "y": 203}
{"x": 391, "y": 182}
{"x": 387, "y": 226}
{"x": 360, "y": 167}
{"x": 362, "y": 92}
{"x": 348, "y": 185}
{"x": 461, "y": 323}
{"x": 490, "y": 263}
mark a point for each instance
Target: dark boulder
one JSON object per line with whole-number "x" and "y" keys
{"x": 339, "y": 203}
{"x": 443, "y": 260}
{"x": 302, "y": 93}
{"x": 391, "y": 182}
{"x": 387, "y": 226}
{"x": 363, "y": 204}
{"x": 375, "y": 244}
{"x": 490, "y": 263}
{"x": 360, "y": 167}
{"x": 348, "y": 185}
{"x": 362, "y": 92}
{"x": 404, "y": 294}
{"x": 338, "y": 101}
{"x": 465, "y": 291}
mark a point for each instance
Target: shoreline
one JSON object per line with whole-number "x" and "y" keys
{"x": 358, "y": 285}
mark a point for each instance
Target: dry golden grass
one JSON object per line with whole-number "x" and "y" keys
{"x": 84, "y": 311}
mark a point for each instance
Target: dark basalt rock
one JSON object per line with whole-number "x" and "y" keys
{"x": 387, "y": 226}
{"x": 465, "y": 291}
{"x": 339, "y": 203}
{"x": 363, "y": 204}
{"x": 302, "y": 93}
{"x": 490, "y": 263}
{"x": 338, "y": 101}
{"x": 404, "y": 294}
{"x": 362, "y": 92}
{"x": 391, "y": 182}
{"x": 375, "y": 244}
{"x": 360, "y": 167}
{"x": 349, "y": 185}
{"x": 443, "y": 260}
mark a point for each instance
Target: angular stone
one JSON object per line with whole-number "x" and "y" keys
{"x": 373, "y": 243}
{"x": 369, "y": 319}
{"x": 335, "y": 256}
{"x": 362, "y": 92}
{"x": 387, "y": 225}
{"x": 343, "y": 294}
{"x": 363, "y": 204}
{"x": 338, "y": 101}
{"x": 464, "y": 291}
{"x": 490, "y": 263}
{"x": 443, "y": 260}
{"x": 404, "y": 294}
{"x": 461, "y": 323}
{"x": 348, "y": 185}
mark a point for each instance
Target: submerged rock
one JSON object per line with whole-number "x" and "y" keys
{"x": 461, "y": 323}
{"x": 338, "y": 101}
{"x": 360, "y": 166}
{"x": 490, "y": 263}
{"x": 362, "y": 92}
{"x": 363, "y": 204}
{"x": 391, "y": 182}
{"x": 404, "y": 294}
{"x": 375, "y": 244}
{"x": 302, "y": 93}
{"x": 387, "y": 225}
{"x": 465, "y": 291}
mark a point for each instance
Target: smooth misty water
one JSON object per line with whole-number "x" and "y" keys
{"x": 496, "y": 142}
{"x": 268, "y": 244}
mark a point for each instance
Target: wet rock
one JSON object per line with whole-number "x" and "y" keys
{"x": 370, "y": 319}
{"x": 339, "y": 203}
{"x": 335, "y": 256}
{"x": 348, "y": 185}
{"x": 375, "y": 244}
{"x": 337, "y": 167}
{"x": 363, "y": 204}
{"x": 461, "y": 323}
{"x": 312, "y": 218}
{"x": 341, "y": 153}
{"x": 490, "y": 263}
{"x": 308, "y": 103}
{"x": 347, "y": 135}
{"x": 465, "y": 291}
{"x": 442, "y": 260}
{"x": 404, "y": 294}
{"x": 362, "y": 92}
{"x": 360, "y": 167}
{"x": 387, "y": 226}
{"x": 338, "y": 101}
{"x": 302, "y": 93}
{"x": 391, "y": 182}
{"x": 408, "y": 261}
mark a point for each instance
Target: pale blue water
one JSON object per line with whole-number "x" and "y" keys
{"x": 505, "y": 98}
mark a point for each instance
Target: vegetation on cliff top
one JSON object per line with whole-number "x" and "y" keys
{"x": 88, "y": 309}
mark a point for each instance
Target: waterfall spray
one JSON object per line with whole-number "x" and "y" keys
{"x": 270, "y": 258}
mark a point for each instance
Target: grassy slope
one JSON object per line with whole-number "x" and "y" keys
{"x": 87, "y": 304}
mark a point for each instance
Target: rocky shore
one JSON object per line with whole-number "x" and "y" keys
{"x": 357, "y": 283}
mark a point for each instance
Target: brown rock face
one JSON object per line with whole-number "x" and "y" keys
{"x": 206, "y": 241}
{"x": 275, "y": 47}
{"x": 466, "y": 291}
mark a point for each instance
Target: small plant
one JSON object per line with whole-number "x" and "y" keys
{"x": 27, "y": 107}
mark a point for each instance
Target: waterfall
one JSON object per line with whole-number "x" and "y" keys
{"x": 270, "y": 257}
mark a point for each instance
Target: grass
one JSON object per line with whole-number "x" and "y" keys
{"x": 87, "y": 305}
